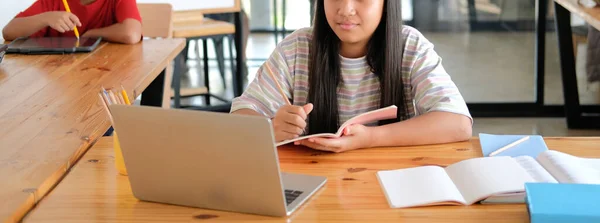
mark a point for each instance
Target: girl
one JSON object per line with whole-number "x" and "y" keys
{"x": 357, "y": 57}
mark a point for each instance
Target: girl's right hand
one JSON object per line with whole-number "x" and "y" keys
{"x": 290, "y": 121}
{"x": 61, "y": 21}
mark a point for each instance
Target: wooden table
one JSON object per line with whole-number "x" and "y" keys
{"x": 94, "y": 192}
{"x": 50, "y": 111}
{"x": 578, "y": 116}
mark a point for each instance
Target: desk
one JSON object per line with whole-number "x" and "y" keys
{"x": 50, "y": 112}
{"x": 578, "y": 116}
{"x": 93, "y": 191}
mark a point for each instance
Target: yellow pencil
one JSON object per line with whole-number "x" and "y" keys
{"x": 281, "y": 91}
{"x": 69, "y": 10}
{"x": 124, "y": 93}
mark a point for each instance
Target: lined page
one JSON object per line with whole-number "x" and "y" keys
{"x": 480, "y": 178}
{"x": 570, "y": 169}
{"x": 418, "y": 186}
{"x": 535, "y": 170}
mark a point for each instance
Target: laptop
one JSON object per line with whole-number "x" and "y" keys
{"x": 53, "y": 45}
{"x": 207, "y": 160}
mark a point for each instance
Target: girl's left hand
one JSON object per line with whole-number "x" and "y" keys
{"x": 354, "y": 137}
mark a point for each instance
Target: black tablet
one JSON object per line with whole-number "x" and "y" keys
{"x": 2, "y": 51}
{"x": 53, "y": 45}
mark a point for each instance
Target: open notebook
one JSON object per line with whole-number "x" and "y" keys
{"x": 487, "y": 179}
{"x": 390, "y": 112}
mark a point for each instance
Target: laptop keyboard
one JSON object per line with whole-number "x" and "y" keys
{"x": 291, "y": 195}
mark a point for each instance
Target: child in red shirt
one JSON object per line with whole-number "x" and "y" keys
{"x": 113, "y": 20}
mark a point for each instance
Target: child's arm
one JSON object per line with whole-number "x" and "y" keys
{"x": 262, "y": 97}
{"x": 442, "y": 113}
{"x": 246, "y": 111}
{"x": 430, "y": 128}
{"x": 128, "y": 26}
{"x": 19, "y": 27}
{"x": 127, "y": 32}
{"x": 26, "y": 26}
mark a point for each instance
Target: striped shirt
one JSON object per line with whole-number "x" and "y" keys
{"x": 427, "y": 86}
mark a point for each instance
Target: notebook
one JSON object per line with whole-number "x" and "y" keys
{"x": 573, "y": 203}
{"x": 498, "y": 179}
{"x": 531, "y": 147}
{"x": 390, "y": 112}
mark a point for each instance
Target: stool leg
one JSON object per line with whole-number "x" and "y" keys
{"x": 177, "y": 73}
{"x": 186, "y": 49}
{"x": 231, "y": 59}
{"x": 284, "y": 12}
{"x": 275, "y": 22}
{"x": 206, "y": 76}
{"x": 220, "y": 51}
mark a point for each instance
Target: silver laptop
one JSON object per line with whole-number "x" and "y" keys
{"x": 207, "y": 160}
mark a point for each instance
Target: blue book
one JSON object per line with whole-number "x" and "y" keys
{"x": 554, "y": 203}
{"x": 531, "y": 147}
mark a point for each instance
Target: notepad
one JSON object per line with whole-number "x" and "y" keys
{"x": 554, "y": 203}
{"x": 531, "y": 147}
{"x": 498, "y": 179}
{"x": 390, "y": 112}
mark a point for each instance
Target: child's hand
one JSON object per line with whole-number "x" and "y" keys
{"x": 290, "y": 121}
{"x": 354, "y": 137}
{"x": 61, "y": 21}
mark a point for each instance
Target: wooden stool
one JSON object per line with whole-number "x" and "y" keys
{"x": 193, "y": 26}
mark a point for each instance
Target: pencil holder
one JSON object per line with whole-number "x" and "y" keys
{"x": 119, "y": 161}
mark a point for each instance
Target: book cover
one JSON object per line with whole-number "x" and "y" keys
{"x": 554, "y": 203}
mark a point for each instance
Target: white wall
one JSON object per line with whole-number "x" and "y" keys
{"x": 193, "y": 4}
{"x": 9, "y": 11}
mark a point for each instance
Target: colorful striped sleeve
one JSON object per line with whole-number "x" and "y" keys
{"x": 262, "y": 95}
{"x": 432, "y": 87}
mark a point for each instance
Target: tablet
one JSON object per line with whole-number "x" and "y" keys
{"x": 53, "y": 45}
{"x": 2, "y": 51}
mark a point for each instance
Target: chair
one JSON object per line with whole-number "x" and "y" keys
{"x": 157, "y": 22}
{"x": 192, "y": 25}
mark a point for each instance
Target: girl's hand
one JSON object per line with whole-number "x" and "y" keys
{"x": 354, "y": 137}
{"x": 61, "y": 21}
{"x": 290, "y": 121}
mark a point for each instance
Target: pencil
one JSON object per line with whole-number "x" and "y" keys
{"x": 124, "y": 93}
{"x": 121, "y": 99}
{"x": 69, "y": 10}
{"x": 270, "y": 72}
{"x": 106, "y": 96}
{"x": 112, "y": 97}
{"x": 106, "y": 108}
{"x": 509, "y": 146}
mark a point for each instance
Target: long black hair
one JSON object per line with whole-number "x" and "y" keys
{"x": 384, "y": 56}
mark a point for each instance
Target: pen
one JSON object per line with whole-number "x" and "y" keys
{"x": 509, "y": 146}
